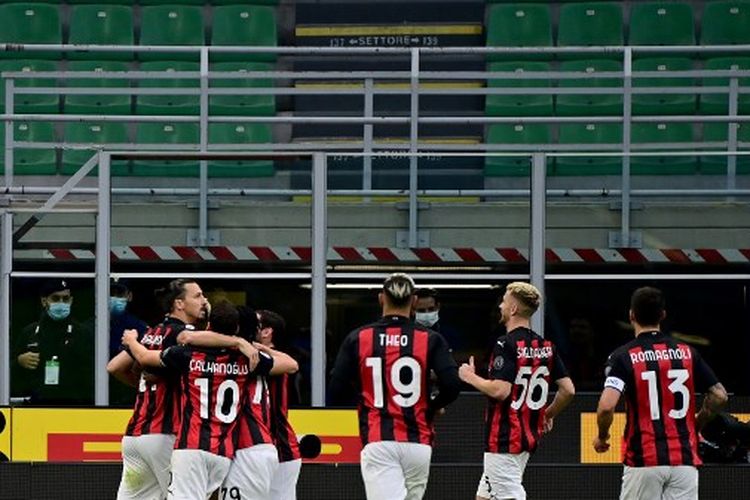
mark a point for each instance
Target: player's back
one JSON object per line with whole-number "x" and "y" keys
{"x": 282, "y": 432}
{"x": 393, "y": 371}
{"x": 253, "y": 426}
{"x": 659, "y": 386}
{"x": 156, "y": 408}
{"x": 212, "y": 384}
{"x": 530, "y": 363}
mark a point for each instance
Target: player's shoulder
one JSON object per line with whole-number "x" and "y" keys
{"x": 622, "y": 351}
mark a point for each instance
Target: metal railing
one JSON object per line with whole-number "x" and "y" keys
{"x": 415, "y": 76}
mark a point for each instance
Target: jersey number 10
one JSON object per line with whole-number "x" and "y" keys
{"x": 407, "y": 393}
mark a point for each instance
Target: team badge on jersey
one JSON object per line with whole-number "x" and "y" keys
{"x": 497, "y": 364}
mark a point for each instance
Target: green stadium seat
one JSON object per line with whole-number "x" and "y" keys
{"x": 590, "y": 133}
{"x": 166, "y": 133}
{"x": 30, "y": 23}
{"x": 664, "y": 103}
{"x": 718, "y": 132}
{"x": 255, "y": 2}
{"x": 169, "y": 104}
{"x": 661, "y": 23}
{"x": 726, "y": 23}
{"x": 108, "y": 2}
{"x": 240, "y": 133}
{"x": 590, "y": 24}
{"x": 94, "y": 133}
{"x": 31, "y": 161}
{"x": 515, "y": 166}
{"x": 171, "y": 25}
{"x": 643, "y": 133}
{"x": 590, "y": 104}
{"x": 718, "y": 104}
{"x": 518, "y": 104}
{"x": 93, "y": 103}
{"x": 519, "y": 25}
{"x": 246, "y": 105}
{"x": 177, "y": 2}
{"x": 101, "y": 25}
{"x": 28, "y": 103}
{"x": 244, "y": 25}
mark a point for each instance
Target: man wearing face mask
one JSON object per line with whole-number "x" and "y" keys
{"x": 120, "y": 319}
{"x": 427, "y": 314}
{"x": 55, "y": 354}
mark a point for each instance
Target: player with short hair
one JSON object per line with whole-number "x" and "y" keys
{"x": 272, "y": 328}
{"x": 150, "y": 434}
{"x": 256, "y": 460}
{"x": 387, "y": 365}
{"x": 659, "y": 377}
{"x": 213, "y": 386}
{"x": 521, "y": 367}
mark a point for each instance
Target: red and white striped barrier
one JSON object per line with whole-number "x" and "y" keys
{"x": 420, "y": 255}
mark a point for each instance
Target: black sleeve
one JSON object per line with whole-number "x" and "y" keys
{"x": 446, "y": 370}
{"x": 176, "y": 358}
{"x": 171, "y": 339}
{"x": 503, "y": 362}
{"x": 265, "y": 363}
{"x": 20, "y": 341}
{"x": 615, "y": 372}
{"x": 704, "y": 375}
{"x": 341, "y": 388}
{"x": 558, "y": 368}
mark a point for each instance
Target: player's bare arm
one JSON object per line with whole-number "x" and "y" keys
{"x": 565, "y": 393}
{"x": 497, "y": 389}
{"x": 282, "y": 362}
{"x": 605, "y": 413}
{"x": 716, "y": 398}
{"x": 217, "y": 340}
{"x": 141, "y": 353}
{"x": 124, "y": 369}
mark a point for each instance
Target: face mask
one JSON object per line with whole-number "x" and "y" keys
{"x": 117, "y": 305}
{"x": 427, "y": 318}
{"x": 58, "y": 310}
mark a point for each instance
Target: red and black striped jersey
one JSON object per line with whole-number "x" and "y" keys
{"x": 254, "y": 424}
{"x": 156, "y": 409}
{"x": 659, "y": 377}
{"x": 282, "y": 431}
{"x": 389, "y": 362}
{"x": 529, "y": 363}
{"x": 213, "y": 388}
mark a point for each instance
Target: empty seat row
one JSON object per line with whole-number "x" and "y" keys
{"x": 44, "y": 161}
{"x": 611, "y": 134}
{"x": 173, "y": 25}
{"x": 151, "y": 2}
{"x": 168, "y": 103}
{"x": 601, "y": 24}
{"x": 609, "y": 104}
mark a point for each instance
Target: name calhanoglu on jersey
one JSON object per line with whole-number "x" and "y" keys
{"x": 534, "y": 352}
{"x": 199, "y": 365}
{"x": 660, "y": 354}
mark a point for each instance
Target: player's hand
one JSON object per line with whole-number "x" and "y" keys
{"x": 548, "y": 424}
{"x": 129, "y": 336}
{"x": 467, "y": 370}
{"x": 262, "y": 347}
{"x": 29, "y": 360}
{"x": 601, "y": 445}
{"x": 251, "y": 352}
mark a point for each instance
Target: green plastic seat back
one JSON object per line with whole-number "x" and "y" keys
{"x": 97, "y": 103}
{"x": 519, "y": 25}
{"x": 244, "y": 25}
{"x": 534, "y": 133}
{"x": 101, "y": 25}
{"x": 166, "y": 133}
{"x": 30, "y": 23}
{"x": 29, "y": 103}
{"x": 590, "y": 24}
{"x": 661, "y": 23}
{"x": 244, "y": 105}
{"x": 664, "y": 103}
{"x": 171, "y": 25}
{"x": 590, "y": 133}
{"x": 590, "y": 104}
{"x": 169, "y": 103}
{"x": 240, "y": 133}
{"x": 726, "y": 23}
{"x": 518, "y": 104}
{"x": 642, "y": 133}
{"x": 99, "y": 133}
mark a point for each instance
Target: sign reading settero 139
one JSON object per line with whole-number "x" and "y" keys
{"x": 86, "y": 435}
